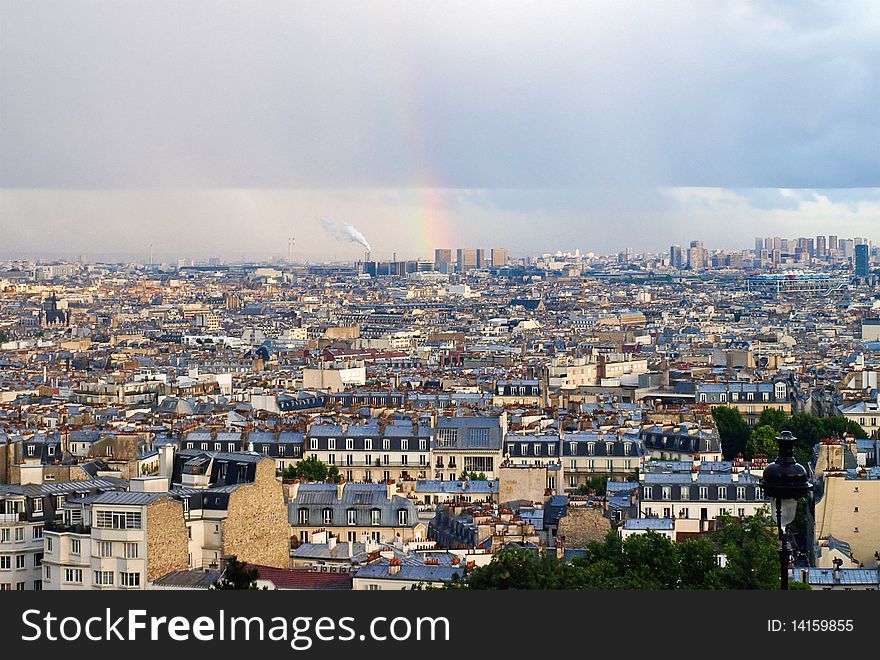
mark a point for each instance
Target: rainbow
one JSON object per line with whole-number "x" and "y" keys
{"x": 433, "y": 226}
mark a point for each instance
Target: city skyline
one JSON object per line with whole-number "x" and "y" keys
{"x": 242, "y": 126}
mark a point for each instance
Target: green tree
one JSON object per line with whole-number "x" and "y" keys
{"x": 596, "y": 483}
{"x": 763, "y": 441}
{"x": 773, "y": 417}
{"x": 750, "y": 546}
{"x": 699, "y": 569}
{"x": 518, "y": 568}
{"x": 312, "y": 469}
{"x": 237, "y": 575}
{"x": 732, "y": 430}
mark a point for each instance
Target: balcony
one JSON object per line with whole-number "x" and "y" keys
{"x": 12, "y": 518}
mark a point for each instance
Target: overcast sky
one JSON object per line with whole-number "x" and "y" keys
{"x": 221, "y": 128}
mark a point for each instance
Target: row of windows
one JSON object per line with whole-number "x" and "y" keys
{"x": 685, "y": 512}
{"x": 19, "y": 586}
{"x": 351, "y": 517}
{"x": 368, "y": 460}
{"x": 8, "y": 534}
{"x": 19, "y": 561}
{"x": 117, "y": 519}
{"x": 102, "y": 578}
{"x": 368, "y": 444}
{"x": 684, "y": 492}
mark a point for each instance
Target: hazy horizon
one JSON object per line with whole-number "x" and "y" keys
{"x": 221, "y": 129}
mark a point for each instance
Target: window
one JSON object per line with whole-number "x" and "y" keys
{"x": 327, "y": 517}
{"x": 740, "y": 492}
{"x": 19, "y": 561}
{"x": 351, "y": 516}
{"x": 368, "y": 444}
{"x": 49, "y": 543}
{"x": 103, "y": 578}
{"x": 386, "y": 444}
{"x": 73, "y": 575}
{"x": 404, "y": 445}
{"x": 105, "y": 549}
{"x": 48, "y": 572}
{"x": 217, "y": 446}
{"x": 722, "y": 492}
{"x": 423, "y": 445}
{"x": 649, "y": 493}
{"x": 74, "y": 546}
{"x": 375, "y": 517}
{"x": 38, "y": 505}
{"x": 402, "y": 517}
{"x": 131, "y": 550}
{"x": 331, "y": 459}
{"x": 5, "y": 563}
{"x": 704, "y": 492}
{"x": 349, "y": 444}
{"x": 118, "y": 519}
{"x": 19, "y": 533}
{"x": 4, "y": 535}
{"x": 38, "y": 532}
{"x": 684, "y": 492}
{"x": 313, "y": 443}
{"x": 758, "y": 494}
{"x": 331, "y": 443}
{"x": 130, "y": 579}
{"x": 667, "y": 493}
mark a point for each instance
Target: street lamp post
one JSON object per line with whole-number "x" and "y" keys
{"x": 785, "y": 482}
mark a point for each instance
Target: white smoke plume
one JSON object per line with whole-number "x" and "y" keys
{"x": 347, "y": 232}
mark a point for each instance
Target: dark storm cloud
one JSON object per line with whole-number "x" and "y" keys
{"x": 476, "y": 95}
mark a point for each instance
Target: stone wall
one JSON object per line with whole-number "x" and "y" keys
{"x": 583, "y": 524}
{"x": 257, "y": 530}
{"x": 848, "y": 505}
{"x": 167, "y": 548}
{"x": 522, "y": 483}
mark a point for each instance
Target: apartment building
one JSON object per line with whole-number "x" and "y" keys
{"x": 115, "y": 540}
{"x": 468, "y": 444}
{"x": 681, "y": 442}
{"x": 26, "y": 513}
{"x": 234, "y": 505}
{"x": 398, "y": 450}
{"x": 359, "y": 513}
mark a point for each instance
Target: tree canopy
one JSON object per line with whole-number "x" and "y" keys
{"x": 645, "y": 561}
{"x": 732, "y": 431}
{"x": 237, "y": 575}
{"x": 312, "y": 469}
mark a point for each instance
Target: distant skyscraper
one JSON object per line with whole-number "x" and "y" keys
{"x": 821, "y": 246}
{"x": 833, "y": 247}
{"x": 466, "y": 259}
{"x": 442, "y": 259}
{"x": 863, "y": 264}
{"x": 675, "y": 256}
{"x": 481, "y": 258}
{"x": 499, "y": 257}
{"x": 696, "y": 256}
{"x": 759, "y": 245}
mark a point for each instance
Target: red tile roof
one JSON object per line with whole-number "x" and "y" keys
{"x": 300, "y": 578}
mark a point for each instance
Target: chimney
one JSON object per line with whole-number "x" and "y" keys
{"x": 395, "y": 566}
{"x": 294, "y": 489}
{"x": 331, "y": 542}
{"x": 350, "y": 549}
{"x": 391, "y": 489}
{"x": 340, "y": 487}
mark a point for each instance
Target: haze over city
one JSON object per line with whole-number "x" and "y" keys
{"x": 223, "y": 129}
